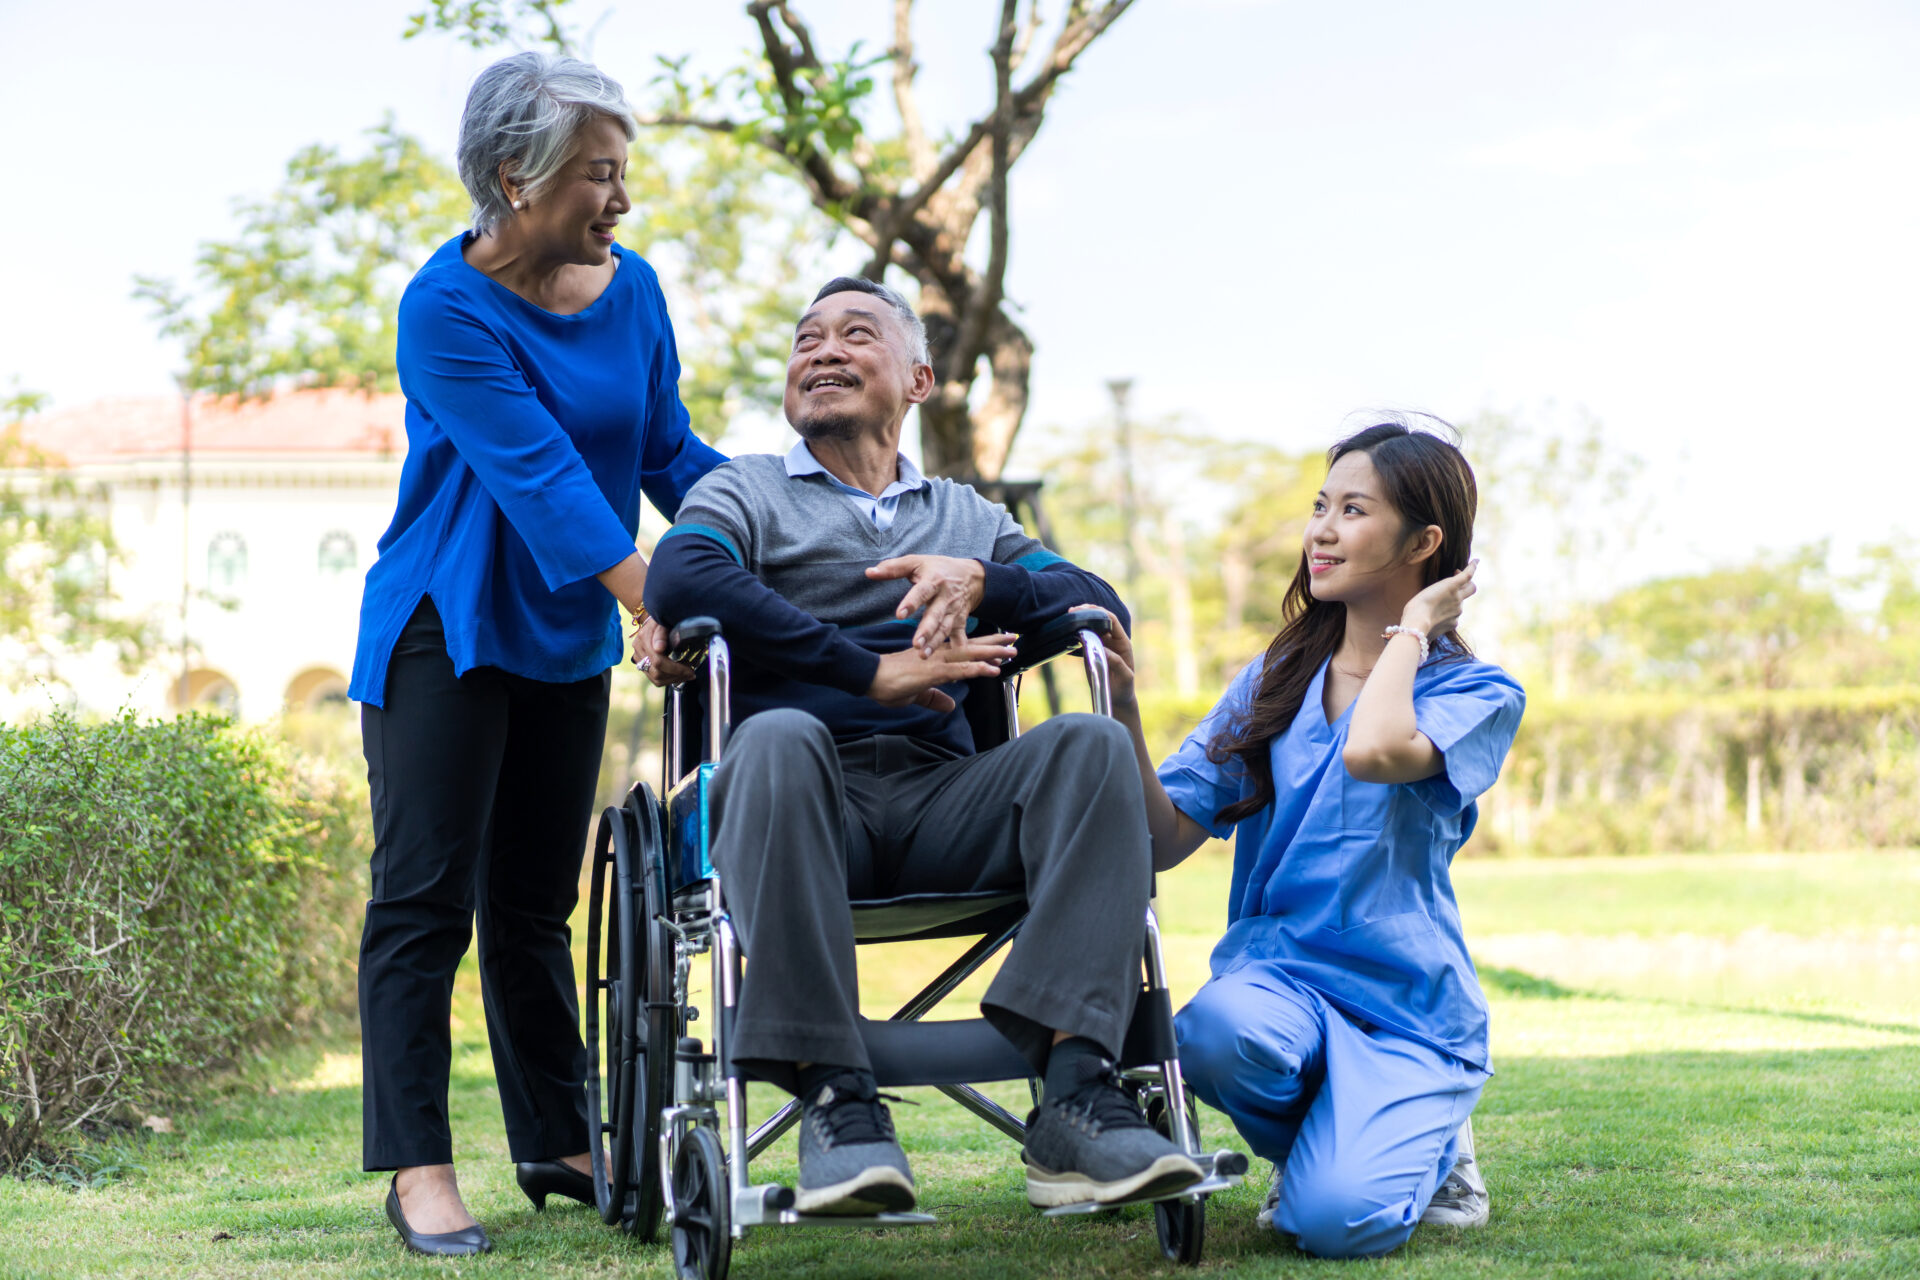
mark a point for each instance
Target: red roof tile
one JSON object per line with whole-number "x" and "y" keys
{"x": 316, "y": 421}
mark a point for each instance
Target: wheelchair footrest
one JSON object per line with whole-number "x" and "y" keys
{"x": 771, "y": 1205}
{"x": 1198, "y": 1191}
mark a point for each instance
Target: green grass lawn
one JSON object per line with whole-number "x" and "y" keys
{"x": 1707, "y": 1067}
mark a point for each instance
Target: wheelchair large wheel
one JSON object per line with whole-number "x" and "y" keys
{"x": 1181, "y": 1225}
{"x": 659, "y": 1016}
{"x": 702, "y": 1208}
{"x": 628, "y": 1017}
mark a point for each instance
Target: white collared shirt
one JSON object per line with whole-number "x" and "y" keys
{"x": 880, "y": 510}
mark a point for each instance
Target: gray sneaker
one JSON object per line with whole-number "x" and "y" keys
{"x": 850, "y": 1161}
{"x": 1094, "y": 1145}
{"x": 1271, "y": 1205}
{"x": 1462, "y": 1199}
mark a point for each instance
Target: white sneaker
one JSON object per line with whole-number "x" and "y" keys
{"x": 1462, "y": 1199}
{"x": 1268, "y": 1206}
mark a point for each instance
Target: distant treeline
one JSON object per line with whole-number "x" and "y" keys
{"x": 1796, "y": 769}
{"x": 1775, "y": 769}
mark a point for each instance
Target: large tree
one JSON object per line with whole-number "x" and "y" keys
{"x": 913, "y": 199}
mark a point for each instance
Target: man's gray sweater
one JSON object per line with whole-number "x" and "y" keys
{"x": 781, "y": 561}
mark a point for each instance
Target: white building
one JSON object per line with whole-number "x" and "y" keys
{"x": 266, "y": 513}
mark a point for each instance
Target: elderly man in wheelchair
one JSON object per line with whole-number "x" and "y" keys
{"x": 853, "y": 600}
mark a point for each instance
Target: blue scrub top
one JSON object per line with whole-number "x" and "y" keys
{"x": 530, "y": 440}
{"x": 1346, "y": 885}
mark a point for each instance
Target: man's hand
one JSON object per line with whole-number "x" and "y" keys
{"x": 948, "y": 588}
{"x": 650, "y": 655}
{"x": 912, "y": 677}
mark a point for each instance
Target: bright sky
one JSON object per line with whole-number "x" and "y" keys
{"x": 1698, "y": 222}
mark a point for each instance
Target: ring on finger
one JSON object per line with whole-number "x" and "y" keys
{"x": 646, "y": 664}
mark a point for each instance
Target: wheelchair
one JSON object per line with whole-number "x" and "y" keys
{"x": 662, "y": 1099}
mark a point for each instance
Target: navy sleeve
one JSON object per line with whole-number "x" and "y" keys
{"x": 694, "y": 572}
{"x": 456, "y": 369}
{"x": 674, "y": 457}
{"x": 1029, "y": 586}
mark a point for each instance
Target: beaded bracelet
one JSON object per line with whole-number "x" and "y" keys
{"x": 1397, "y": 630}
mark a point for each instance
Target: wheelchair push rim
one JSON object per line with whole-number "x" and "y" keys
{"x": 611, "y": 1019}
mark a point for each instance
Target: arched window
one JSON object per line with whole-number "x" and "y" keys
{"x": 226, "y": 562}
{"x": 338, "y": 555}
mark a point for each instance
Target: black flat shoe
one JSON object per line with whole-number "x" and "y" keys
{"x": 448, "y": 1244}
{"x": 542, "y": 1178}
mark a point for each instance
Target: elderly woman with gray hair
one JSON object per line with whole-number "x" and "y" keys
{"x": 540, "y": 374}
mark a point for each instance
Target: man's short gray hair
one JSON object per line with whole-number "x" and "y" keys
{"x": 916, "y": 328}
{"x": 527, "y": 110}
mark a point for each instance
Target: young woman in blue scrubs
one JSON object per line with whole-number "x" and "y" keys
{"x": 1343, "y": 1029}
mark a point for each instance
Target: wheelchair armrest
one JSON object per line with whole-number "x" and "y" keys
{"x": 687, "y": 641}
{"x": 1062, "y": 635}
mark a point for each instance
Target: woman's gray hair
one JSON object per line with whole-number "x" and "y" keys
{"x": 524, "y": 111}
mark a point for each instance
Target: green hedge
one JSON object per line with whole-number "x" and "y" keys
{"x": 170, "y": 892}
{"x": 1784, "y": 769}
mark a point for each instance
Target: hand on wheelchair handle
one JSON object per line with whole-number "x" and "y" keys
{"x": 1119, "y": 647}
{"x": 650, "y": 655}
{"x": 912, "y": 677}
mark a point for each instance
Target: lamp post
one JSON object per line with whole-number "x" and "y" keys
{"x": 1119, "y": 389}
{"x": 186, "y": 539}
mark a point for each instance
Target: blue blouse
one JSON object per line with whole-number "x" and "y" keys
{"x": 530, "y": 438}
{"x": 1345, "y": 885}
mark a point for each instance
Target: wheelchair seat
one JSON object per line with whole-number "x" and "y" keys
{"x": 917, "y": 917}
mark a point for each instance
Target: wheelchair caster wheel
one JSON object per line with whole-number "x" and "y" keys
{"x": 702, "y": 1234}
{"x": 1182, "y": 1228}
{"x": 1181, "y": 1225}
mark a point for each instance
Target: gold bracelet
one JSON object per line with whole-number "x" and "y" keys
{"x": 640, "y": 616}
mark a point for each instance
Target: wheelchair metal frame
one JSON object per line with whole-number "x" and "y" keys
{"x": 699, "y": 923}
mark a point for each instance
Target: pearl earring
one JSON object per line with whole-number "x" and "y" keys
{"x": 519, "y": 204}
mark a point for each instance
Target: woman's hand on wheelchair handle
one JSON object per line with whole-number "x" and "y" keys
{"x": 913, "y": 677}
{"x": 1119, "y": 647}
{"x": 650, "y": 643}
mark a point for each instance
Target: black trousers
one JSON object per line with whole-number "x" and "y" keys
{"x": 482, "y": 789}
{"x": 805, "y": 826}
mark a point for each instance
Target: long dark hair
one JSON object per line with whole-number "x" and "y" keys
{"x": 1428, "y": 481}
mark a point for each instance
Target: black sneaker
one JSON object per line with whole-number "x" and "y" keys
{"x": 1094, "y": 1145}
{"x": 850, "y": 1161}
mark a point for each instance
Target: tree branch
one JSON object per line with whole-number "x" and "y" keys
{"x": 985, "y": 303}
{"x": 1024, "y": 45}
{"x": 787, "y": 65}
{"x": 920, "y": 158}
{"x": 1081, "y": 30}
{"x": 721, "y": 125}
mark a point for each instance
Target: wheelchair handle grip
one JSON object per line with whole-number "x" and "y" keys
{"x": 687, "y": 640}
{"x": 1062, "y": 635}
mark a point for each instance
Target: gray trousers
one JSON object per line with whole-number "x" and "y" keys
{"x": 804, "y": 826}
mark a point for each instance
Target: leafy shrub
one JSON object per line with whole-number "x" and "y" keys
{"x": 1770, "y": 769}
{"x": 170, "y": 892}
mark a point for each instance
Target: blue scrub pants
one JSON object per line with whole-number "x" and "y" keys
{"x": 1360, "y": 1123}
